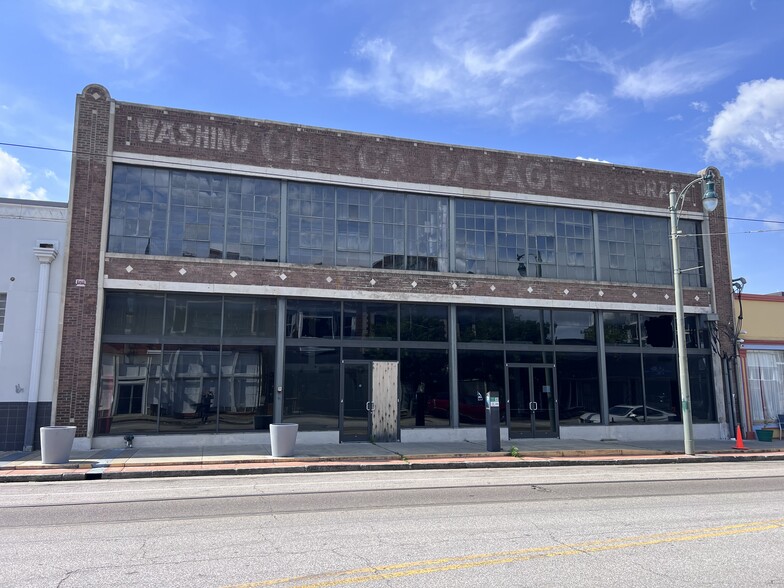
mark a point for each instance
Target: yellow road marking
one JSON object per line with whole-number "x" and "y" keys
{"x": 392, "y": 571}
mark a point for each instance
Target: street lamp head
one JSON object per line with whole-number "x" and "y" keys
{"x": 709, "y": 198}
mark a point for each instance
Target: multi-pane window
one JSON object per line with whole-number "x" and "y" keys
{"x": 692, "y": 260}
{"x": 637, "y": 249}
{"x": 389, "y": 235}
{"x": 475, "y": 237}
{"x": 193, "y": 214}
{"x": 352, "y": 227}
{"x": 574, "y": 244}
{"x": 360, "y": 228}
{"x": 512, "y": 258}
{"x": 519, "y": 240}
{"x": 427, "y": 226}
{"x": 253, "y": 213}
{"x": 311, "y": 224}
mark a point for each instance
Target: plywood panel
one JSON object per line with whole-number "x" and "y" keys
{"x": 384, "y": 425}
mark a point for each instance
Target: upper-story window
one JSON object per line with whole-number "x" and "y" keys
{"x": 521, "y": 240}
{"x": 636, "y": 249}
{"x": 193, "y": 214}
{"x": 330, "y": 225}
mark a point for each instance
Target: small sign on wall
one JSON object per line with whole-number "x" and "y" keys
{"x": 81, "y": 283}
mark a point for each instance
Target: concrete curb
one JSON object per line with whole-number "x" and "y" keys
{"x": 418, "y": 463}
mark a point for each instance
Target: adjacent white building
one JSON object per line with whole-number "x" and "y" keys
{"x": 32, "y": 235}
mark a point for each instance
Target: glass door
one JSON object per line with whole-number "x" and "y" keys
{"x": 532, "y": 401}
{"x": 355, "y": 402}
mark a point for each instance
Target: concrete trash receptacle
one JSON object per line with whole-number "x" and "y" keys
{"x": 283, "y": 437}
{"x": 56, "y": 444}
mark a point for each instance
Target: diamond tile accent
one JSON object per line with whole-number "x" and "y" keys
{"x": 283, "y": 276}
{"x": 601, "y": 292}
{"x": 566, "y": 291}
{"x": 129, "y": 269}
{"x": 634, "y": 294}
{"x": 492, "y": 288}
{"x": 454, "y": 286}
{"x": 329, "y": 279}
{"x": 372, "y": 281}
{"x": 183, "y": 271}
{"x": 697, "y": 298}
{"x": 233, "y": 274}
{"x": 530, "y": 289}
{"x": 666, "y": 296}
{"x": 413, "y": 284}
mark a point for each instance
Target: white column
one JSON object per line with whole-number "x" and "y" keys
{"x": 46, "y": 253}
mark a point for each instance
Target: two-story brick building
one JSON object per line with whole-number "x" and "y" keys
{"x": 224, "y": 273}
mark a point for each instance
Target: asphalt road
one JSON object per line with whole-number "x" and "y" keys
{"x": 653, "y": 525}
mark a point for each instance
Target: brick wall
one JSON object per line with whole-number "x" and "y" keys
{"x": 85, "y": 211}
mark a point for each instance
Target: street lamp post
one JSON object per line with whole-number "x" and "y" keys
{"x": 709, "y": 202}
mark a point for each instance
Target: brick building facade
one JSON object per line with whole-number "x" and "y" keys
{"x": 316, "y": 238}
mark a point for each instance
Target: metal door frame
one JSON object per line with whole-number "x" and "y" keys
{"x": 368, "y": 403}
{"x": 532, "y": 432}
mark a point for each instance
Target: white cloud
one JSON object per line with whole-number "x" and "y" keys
{"x": 15, "y": 181}
{"x": 700, "y": 106}
{"x": 585, "y": 106}
{"x": 756, "y": 206}
{"x": 132, "y": 33}
{"x": 594, "y": 159}
{"x": 460, "y": 69}
{"x": 687, "y": 8}
{"x": 750, "y": 130}
{"x": 675, "y": 76}
{"x": 640, "y": 12}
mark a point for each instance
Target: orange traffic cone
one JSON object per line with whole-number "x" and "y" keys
{"x": 738, "y": 440}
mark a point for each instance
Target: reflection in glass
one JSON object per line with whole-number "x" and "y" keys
{"x": 128, "y": 389}
{"x": 621, "y": 328}
{"x": 370, "y": 320}
{"x": 133, "y": 313}
{"x": 478, "y": 373}
{"x": 246, "y": 316}
{"x": 662, "y": 393}
{"x": 318, "y": 319}
{"x": 574, "y": 327}
{"x": 578, "y": 387}
{"x": 479, "y": 323}
{"x": 191, "y": 315}
{"x": 423, "y": 322}
{"x": 529, "y": 357}
{"x": 703, "y": 407}
{"x": 247, "y": 383}
{"x": 189, "y": 388}
{"x": 311, "y": 392}
{"x": 624, "y": 387}
{"x": 370, "y": 353}
{"x": 527, "y": 325}
{"x": 424, "y": 376}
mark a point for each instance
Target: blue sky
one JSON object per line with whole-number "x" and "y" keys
{"x": 667, "y": 84}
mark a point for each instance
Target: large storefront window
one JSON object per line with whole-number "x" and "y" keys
{"x": 765, "y": 372}
{"x": 311, "y": 396}
{"x": 478, "y": 373}
{"x": 205, "y": 363}
{"x": 577, "y": 387}
{"x": 424, "y": 385}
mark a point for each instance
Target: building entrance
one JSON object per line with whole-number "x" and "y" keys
{"x": 369, "y": 401}
{"x": 532, "y": 401}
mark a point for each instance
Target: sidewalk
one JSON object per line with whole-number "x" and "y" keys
{"x": 231, "y": 460}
